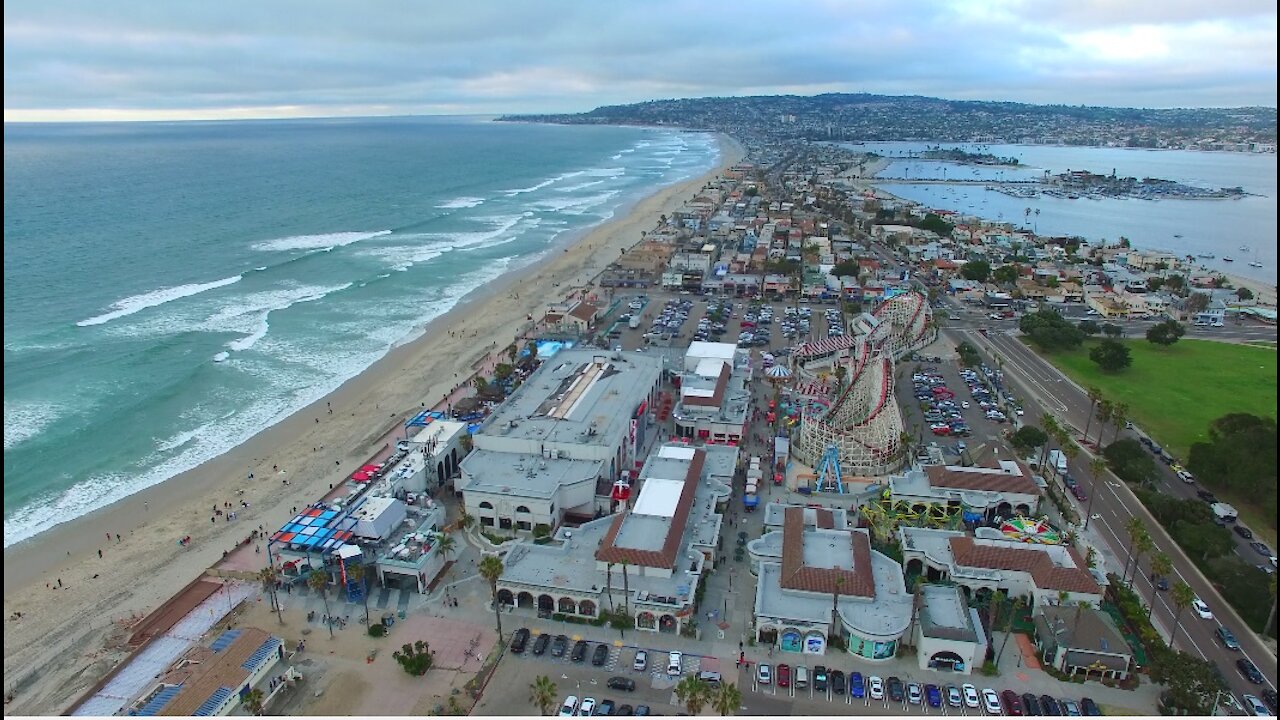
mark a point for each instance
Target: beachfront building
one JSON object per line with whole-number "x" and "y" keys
{"x": 948, "y": 633}
{"x": 1082, "y": 641}
{"x": 558, "y": 444}
{"x": 811, "y": 568}
{"x": 409, "y": 556}
{"x": 713, "y": 394}
{"x": 988, "y": 561}
{"x": 213, "y": 680}
{"x": 977, "y": 494}
{"x": 433, "y": 453}
{"x": 647, "y": 559}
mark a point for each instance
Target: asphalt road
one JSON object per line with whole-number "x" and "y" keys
{"x": 1044, "y": 389}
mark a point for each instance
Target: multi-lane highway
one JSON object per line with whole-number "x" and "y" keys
{"x": 1048, "y": 392}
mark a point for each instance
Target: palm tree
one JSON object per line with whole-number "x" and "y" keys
{"x": 1135, "y": 528}
{"x": 355, "y": 574}
{"x": 835, "y": 603}
{"x": 1094, "y": 396}
{"x": 1104, "y": 414}
{"x": 543, "y": 692}
{"x": 318, "y": 580}
{"x": 993, "y": 610}
{"x": 446, "y": 544}
{"x": 512, "y": 352}
{"x": 491, "y": 569}
{"x": 253, "y": 701}
{"x": 1271, "y": 619}
{"x": 466, "y": 521}
{"x": 1097, "y": 466}
{"x": 269, "y": 577}
{"x": 1183, "y": 596}
{"x": 1050, "y": 425}
{"x": 1145, "y": 545}
{"x": 1119, "y": 416}
{"x": 692, "y": 693}
{"x": 626, "y": 589}
{"x": 608, "y": 584}
{"x": 727, "y": 699}
{"x": 1008, "y": 626}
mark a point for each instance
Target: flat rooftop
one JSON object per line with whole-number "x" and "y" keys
{"x": 580, "y": 396}
{"x": 944, "y": 613}
{"x": 525, "y": 474}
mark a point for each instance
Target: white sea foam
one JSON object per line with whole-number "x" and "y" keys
{"x": 531, "y": 188}
{"x": 572, "y": 188}
{"x": 138, "y": 303}
{"x": 326, "y": 241}
{"x": 23, "y": 420}
{"x": 221, "y": 356}
{"x": 461, "y": 202}
{"x": 250, "y": 313}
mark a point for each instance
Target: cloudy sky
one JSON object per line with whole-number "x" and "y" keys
{"x": 161, "y": 59}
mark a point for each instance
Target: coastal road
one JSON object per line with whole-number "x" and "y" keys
{"x": 1047, "y": 391}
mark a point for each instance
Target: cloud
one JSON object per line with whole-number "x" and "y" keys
{"x": 323, "y": 57}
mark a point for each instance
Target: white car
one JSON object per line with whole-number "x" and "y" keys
{"x": 1255, "y": 706}
{"x": 673, "y": 663}
{"x": 876, "y": 686}
{"x": 641, "y": 661}
{"x": 570, "y": 706}
{"x": 1201, "y": 609}
{"x": 964, "y": 404}
{"x": 764, "y": 674}
{"x": 1186, "y": 476}
{"x": 588, "y": 707}
{"x": 990, "y": 701}
{"x": 970, "y": 695}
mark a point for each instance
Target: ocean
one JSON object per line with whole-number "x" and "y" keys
{"x": 1195, "y": 227}
{"x": 171, "y": 289}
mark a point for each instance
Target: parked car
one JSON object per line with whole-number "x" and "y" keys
{"x": 837, "y": 682}
{"x": 588, "y": 707}
{"x": 876, "y": 687}
{"x": 540, "y": 645}
{"x": 1030, "y": 705}
{"x": 1243, "y": 532}
{"x": 764, "y": 674}
{"x": 971, "y": 698}
{"x": 784, "y": 675}
{"x": 1011, "y": 702}
{"x": 569, "y": 707}
{"x": 1078, "y": 491}
{"x": 618, "y": 682}
{"x": 1069, "y": 707}
{"x": 579, "y": 651}
{"x": 1255, "y": 706}
{"x": 559, "y": 645}
{"x": 606, "y": 708}
{"x": 1049, "y": 705}
{"x": 1089, "y": 707}
{"x": 897, "y": 691}
{"x": 599, "y": 655}
{"x": 519, "y": 639}
{"x": 1269, "y": 698}
{"x": 1261, "y": 548}
{"x": 624, "y": 710}
{"x": 820, "y": 678}
{"x": 933, "y": 695}
{"x": 915, "y": 694}
{"x": 641, "y": 662}
{"x": 673, "y": 663}
{"x": 857, "y": 688}
{"x": 991, "y": 702}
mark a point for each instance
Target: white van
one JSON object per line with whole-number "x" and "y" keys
{"x": 1058, "y": 461}
{"x": 673, "y": 663}
{"x": 802, "y": 677}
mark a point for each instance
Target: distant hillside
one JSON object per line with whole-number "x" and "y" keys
{"x": 861, "y": 116}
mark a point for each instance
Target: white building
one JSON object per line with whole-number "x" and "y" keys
{"x": 713, "y": 394}
{"x": 948, "y": 633}
{"x": 560, "y": 441}
{"x": 980, "y": 493}
{"x": 810, "y": 567}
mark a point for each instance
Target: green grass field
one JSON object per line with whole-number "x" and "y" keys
{"x": 1174, "y": 393}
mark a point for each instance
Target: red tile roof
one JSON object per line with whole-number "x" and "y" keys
{"x": 584, "y": 311}
{"x": 1044, "y": 573}
{"x": 943, "y": 476}
{"x": 666, "y": 557}
{"x": 717, "y": 397}
{"x": 798, "y": 576}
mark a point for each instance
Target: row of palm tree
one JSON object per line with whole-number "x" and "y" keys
{"x": 695, "y": 693}
{"x": 1115, "y": 413}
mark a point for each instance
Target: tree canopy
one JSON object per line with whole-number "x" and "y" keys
{"x": 1029, "y": 437}
{"x": 1111, "y": 356}
{"x": 934, "y": 222}
{"x": 1130, "y": 461}
{"x": 1089, "y": 327}
{"x": 977, "y": 270}
{"x": 1006, "y": 274}
{"x": 846, "y": 268}
{"x": 1051, "y": 331}
{"x": 1165, "y": 333}
{"x": 1192, "y": 683}
{"x": 1240, "y": 456}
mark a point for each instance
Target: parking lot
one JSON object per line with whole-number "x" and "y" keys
{"x": 957, "y": 408}
{"x": 508, "y": 691}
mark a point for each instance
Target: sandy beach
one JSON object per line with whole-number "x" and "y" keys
{"x": 70, "y": 590}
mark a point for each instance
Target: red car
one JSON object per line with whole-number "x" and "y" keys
{"x": 1079, "y": 493}
{"x": 1012, "y": 703}
{"x": 784, "y": 675}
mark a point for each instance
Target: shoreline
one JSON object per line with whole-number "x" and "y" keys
{"x": 61, "y": 630}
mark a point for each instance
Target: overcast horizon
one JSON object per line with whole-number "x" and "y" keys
{"x": 131, "y": 60}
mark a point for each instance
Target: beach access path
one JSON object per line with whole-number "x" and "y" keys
{"x": 71, "y": 592}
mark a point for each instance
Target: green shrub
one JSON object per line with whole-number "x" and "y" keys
{"x": 377, "y": 630}
{"x": 558, "y": 617}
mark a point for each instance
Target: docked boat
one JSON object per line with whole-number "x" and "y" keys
{"x": 1177, "y": 236}
{"x": 1244, "y": 248}
{"x": 1206, "y": 257}
{"x": 1227, "y": 259}
{"x": 1255, "y": 264}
